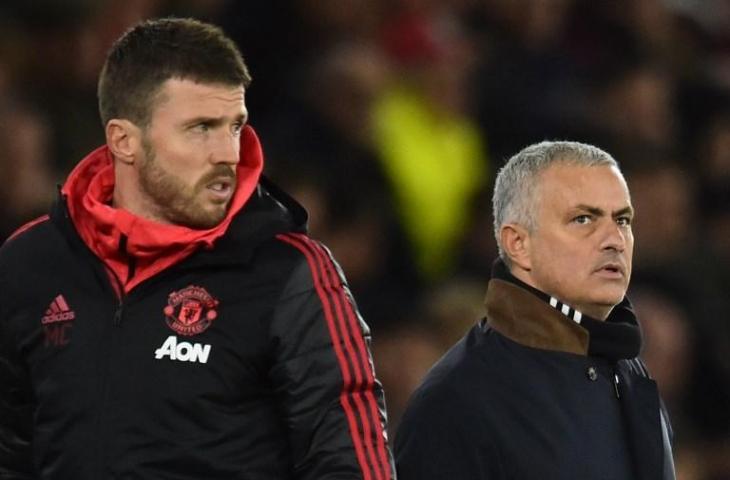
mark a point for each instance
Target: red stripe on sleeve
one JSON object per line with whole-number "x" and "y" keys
{"x": 350, "y": 327}
{"x": 346, "y": 376}
{"x": 356, "y": 333}
{"x": 28, "y": 226}
{"x": 341, "y": 303}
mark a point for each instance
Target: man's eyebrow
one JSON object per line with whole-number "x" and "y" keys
{"x": 599, "y": 212}
{"x": 214, "y": 121}
{"x": 628, "y": 210}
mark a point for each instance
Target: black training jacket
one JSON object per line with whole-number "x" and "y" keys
{"x": 247, "y": 361}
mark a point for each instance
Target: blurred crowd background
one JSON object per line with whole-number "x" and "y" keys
{"x": 388, "y": 120}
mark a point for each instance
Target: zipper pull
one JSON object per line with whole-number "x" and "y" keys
{"x": 615, "y": 384}
{"x": 118, "y": 315}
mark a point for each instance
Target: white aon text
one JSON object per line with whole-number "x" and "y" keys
{"x": 183, "y": 351}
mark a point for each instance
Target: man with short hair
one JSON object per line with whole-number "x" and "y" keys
{"x": 549, "y": 384}
{"x": 170, "y": 318}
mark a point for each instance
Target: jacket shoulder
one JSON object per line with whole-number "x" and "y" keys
{"x": 446, "y": 418}
{"x": 454, "y": 374}
{"x": 22, "y": 256}
{"x": 27, "y": 227}
{"x": 28, "y": 240}
{"x": 312, "y": 264}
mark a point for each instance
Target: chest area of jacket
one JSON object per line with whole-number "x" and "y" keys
{"x": 566, "y": 432}
{"x": 193, "y": 335}
{"x": 573, "y": 416}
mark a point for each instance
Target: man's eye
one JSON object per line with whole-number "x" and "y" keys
{"x": 582, "y": 219}
{"x": 237, "y": 127}
{"x": 201, "y": 127}
{"x": 624, "y": 221}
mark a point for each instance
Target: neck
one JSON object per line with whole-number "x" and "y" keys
{"x": 124, "y": 194}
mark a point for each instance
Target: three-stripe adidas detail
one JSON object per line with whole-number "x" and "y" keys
{"x": 356, "y": 398}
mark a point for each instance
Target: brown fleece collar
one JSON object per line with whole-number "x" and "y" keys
{"x": 526, "y": 319}
{"x": 535, "y": 319}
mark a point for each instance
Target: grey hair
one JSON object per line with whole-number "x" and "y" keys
{"x": 515, "y": 190}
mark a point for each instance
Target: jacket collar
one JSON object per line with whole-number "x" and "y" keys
{"x": 269, "y": 211}
{"x": 534, "y": 319}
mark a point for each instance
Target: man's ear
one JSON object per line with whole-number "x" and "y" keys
{"x": 516, "y": 245}
{"x": 124, "y": 139}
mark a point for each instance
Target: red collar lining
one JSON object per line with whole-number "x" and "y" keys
{"x": 154, "y": 246}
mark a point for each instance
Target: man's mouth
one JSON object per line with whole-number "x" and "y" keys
{"x": 612, "y": 270}
{"x": 221, "y": 188}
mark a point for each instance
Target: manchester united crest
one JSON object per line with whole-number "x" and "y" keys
{"x": 190, "y": 311}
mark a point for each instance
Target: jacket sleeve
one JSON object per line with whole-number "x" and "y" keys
{"x": 15, "y": 410}
{"x": 323, "y": 374}
{"x": 439, "y": 438}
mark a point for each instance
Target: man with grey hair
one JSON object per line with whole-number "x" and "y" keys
{"x": 548, "y": 384}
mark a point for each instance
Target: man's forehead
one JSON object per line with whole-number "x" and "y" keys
{"x": 189, "y": 85}
{"x": 188, "y": 94}
{"x": 572, "y": 185}
{"x": 180, "y": 102}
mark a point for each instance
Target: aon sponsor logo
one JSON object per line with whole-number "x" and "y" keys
{"x": 183, "y": 351}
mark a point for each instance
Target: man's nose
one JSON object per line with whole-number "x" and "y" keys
{"x": 614, "y": 237}
{"x": 226, "y": 149}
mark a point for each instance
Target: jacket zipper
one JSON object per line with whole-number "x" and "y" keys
{"x": 117, "y": 283}
{"x": 118, "y": 313}
{"x": 103, "y": 433}
{"x": 616, "y": 382}
{"x": 121, "y": 297}
{"x": 105, "y": 437}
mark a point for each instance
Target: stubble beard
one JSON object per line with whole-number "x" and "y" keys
{"x": 174, "y": 201}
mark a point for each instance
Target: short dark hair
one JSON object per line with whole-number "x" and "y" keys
{"x": 154, "y": 51}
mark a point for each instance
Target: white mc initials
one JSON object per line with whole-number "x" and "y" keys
{"x": 183, "y": 351}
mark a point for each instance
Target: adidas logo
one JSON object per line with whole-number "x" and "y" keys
{"x": 58, "y": 311}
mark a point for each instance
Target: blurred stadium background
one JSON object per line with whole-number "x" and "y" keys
{"x": 388, "y": 119}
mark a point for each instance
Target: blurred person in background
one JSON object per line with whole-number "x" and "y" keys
{"x": 171, "y": 317}
{"x": 525, "y": 80}
{"x": 407, "y": 349}
{"x": 668, "y": 343}
{"x": 57, "y": 57}
{"x": 668, "y": 351}
{"x": 549, "y": 384}
{"x": 675, "y": 254}
{"x": 634, "y": 106}
{"x": 355, "y": 224}
{"x": 681, "y": 254}
{"x": 322, "y": 148}
{"x": 403, "y": 356}
{"x": 713, "y": 157}
{"x": 24, "y": 168}
{"x": 429, "y": 146}
{"x": 660, "y": 185}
